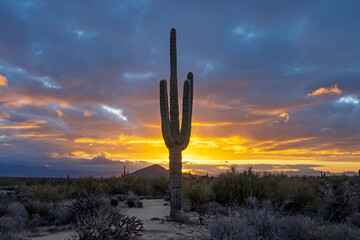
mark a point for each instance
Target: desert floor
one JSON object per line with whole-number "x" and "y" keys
{"x": 158, "y": 229}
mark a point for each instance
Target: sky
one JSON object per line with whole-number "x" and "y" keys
{"x": 276, "y": 84}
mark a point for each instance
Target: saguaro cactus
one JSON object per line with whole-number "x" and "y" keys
{"x": 175, "y": 140}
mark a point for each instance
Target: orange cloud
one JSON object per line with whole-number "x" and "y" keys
{"x": 87, "y": 113}
{"x": 31, "y": 123}
{"x": 3, "y": 81}
{"x": 199, "y": 124}
{"x": 59, "y": 112}
{"x": 34, "y": 135}
{"x": 18, "y": 127}
{"x": 334, "y": 90}
{"x": 285, "y": 117}
{"x": 18, "y": 100}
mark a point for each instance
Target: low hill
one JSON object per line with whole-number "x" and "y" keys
{"x": 151, "y": 171}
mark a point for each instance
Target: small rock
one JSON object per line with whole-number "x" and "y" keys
{"x": 165, "y": 204}
{"x": 138, "y": 204}
{"x": 130, "y": 202}
{"x": 154, "y": 219}
{"x": 114, "y": 202}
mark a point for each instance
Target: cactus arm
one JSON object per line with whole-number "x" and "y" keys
{"x": 174, "y": 106}
{"x": 164, "y": 110}
{"x": 185, "y": 124}
{"x": 190, "y": 77}
{"x": 185, "y": 136}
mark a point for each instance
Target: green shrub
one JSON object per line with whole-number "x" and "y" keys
{"x": 197, "y": 191}
{"x": 237, "y": 186}
{"x": 36, "y": 207}
{"x": 290, "y": 193}
{"x": 48, "y": 193}
{"x": 159, "y": 186}
{"x": 89, "y": 184}
{"x": 293, "y": 194}
{"x": 139, "y": 185}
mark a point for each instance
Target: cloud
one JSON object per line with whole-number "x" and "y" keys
{"x": 284, "y": 117}
{"x": 349, "y": 100}
{"x": 59, "y": 113}
{"x": 3, "y": 81}
{"x": 116, "y": 112}
{"x": 137, "y": 76}
{"x": 88, "y": 113}
{"x": 334, "y": 90}
{"x": 246, "y": 32}
{"x": 4, "y": 114}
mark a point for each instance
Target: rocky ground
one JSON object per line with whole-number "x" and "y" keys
{"x": 154, "y": 229}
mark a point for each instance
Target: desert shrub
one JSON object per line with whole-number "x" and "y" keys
{"x": 159, "y": 186}
{"x": 46, "y": 213}
{"x": 340, "y": 200}
{"x": 217, "y": 209}
{"x": 14, "y": 221}
{"x": 139, "y": 185}
{"x": 4, "y": 204}
{"x": 89, "y": 184}
{"x": 36, "y": 207}
{"x": 61, "y": 214}
{"x": 340, "y": 231}
{"x": 290, "y": 193}
{"x": 16, "y": 210}
{"x": 297, "y": 228}
{"x": 354, "y": 220}
{"x": 48, "y": 193}
{"x": 293, "y": 193}
{"x": 11, "y": 182}
{"x": 197, "y": 191}
{"x": 199, "y": 194}
{"x": 229, "y": 228}
{"x": 264, "y": 224}
{"x": 108, "y": 224}
{"x": 85, "y": 204}
{"x": 236, "y": 186}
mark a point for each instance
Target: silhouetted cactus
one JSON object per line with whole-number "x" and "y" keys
{"x": 176, "y": 141}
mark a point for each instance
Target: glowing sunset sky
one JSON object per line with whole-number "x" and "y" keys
{"x": 277, "y": 84}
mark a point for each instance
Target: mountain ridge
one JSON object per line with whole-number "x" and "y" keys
{"x": 154, "y": 170}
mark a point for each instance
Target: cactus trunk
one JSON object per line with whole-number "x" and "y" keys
{"x": 175, "y": 140}
{"x": 175, "y": 181}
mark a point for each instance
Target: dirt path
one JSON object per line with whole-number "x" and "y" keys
{"x": 154, "y": 230}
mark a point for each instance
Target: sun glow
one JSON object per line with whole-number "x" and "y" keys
{"x": 214, "y": 153}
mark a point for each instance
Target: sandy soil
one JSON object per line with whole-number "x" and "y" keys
{"x": 154, "y": 230}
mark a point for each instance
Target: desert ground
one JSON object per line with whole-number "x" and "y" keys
{"x": 154, "y": 229}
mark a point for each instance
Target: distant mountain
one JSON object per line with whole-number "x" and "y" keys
{"x": 151, "y": 171}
